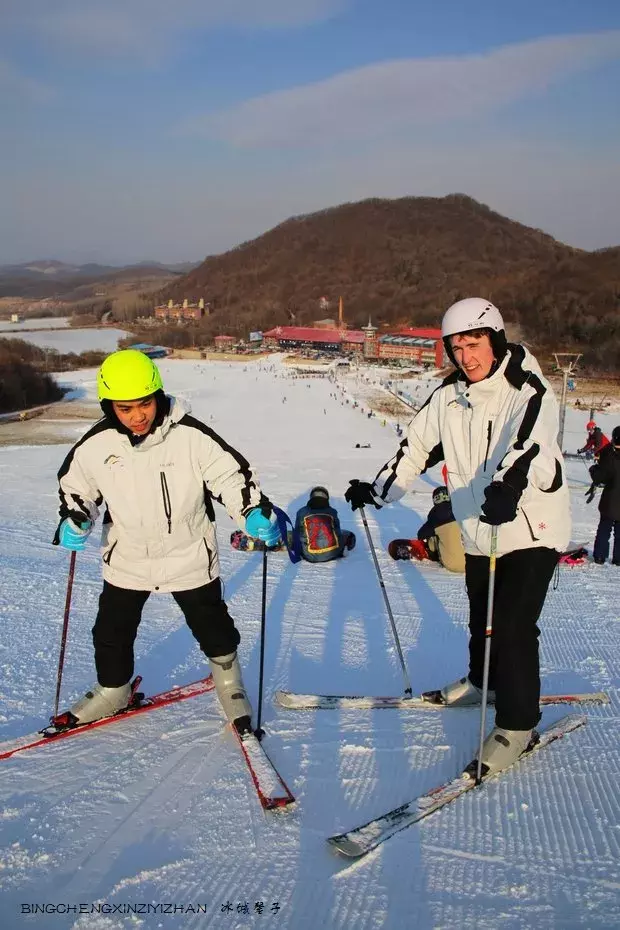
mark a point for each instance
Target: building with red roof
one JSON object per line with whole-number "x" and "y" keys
{"x": 309, "y": 337}
{"x": 421, "y": 346}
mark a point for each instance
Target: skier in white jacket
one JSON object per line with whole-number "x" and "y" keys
{"x": 155, "y": 470}
{"x": 494, "y": 422}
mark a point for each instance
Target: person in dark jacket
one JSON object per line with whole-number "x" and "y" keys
{"x": 442, "y": 534}
{"x": 439, "y": 539}
{"x": 607, "y": 473}
{"x": 321, "y": 536}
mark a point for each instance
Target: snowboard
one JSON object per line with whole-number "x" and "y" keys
{"x": 408, "y": 549}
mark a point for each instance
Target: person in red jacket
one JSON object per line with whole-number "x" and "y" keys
{"x": 596, "y": 441}
{"x": 607, "y": 474}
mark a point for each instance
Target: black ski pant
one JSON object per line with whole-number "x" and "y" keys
{"x": 119, "y": 615}
{"x": 521, "y": 581}
{"x": 603, "y": 535}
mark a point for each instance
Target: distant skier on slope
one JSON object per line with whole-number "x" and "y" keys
{"x": 494, "y": 421}
{"x": 596, "y": 441}
{"x": 156, "y": 470}
{"x": 607, "y": 473}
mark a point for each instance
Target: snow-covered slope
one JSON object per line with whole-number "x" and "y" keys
{"x": 158, "y": 811}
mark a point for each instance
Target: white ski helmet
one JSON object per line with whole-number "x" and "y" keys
{"x": 471, "y": 313}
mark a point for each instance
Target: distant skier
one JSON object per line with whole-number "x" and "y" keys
{"x": 607, "y": 473}
{"x": 494, "y": 421}
{"x": 156, "y": 469}
{"x": 439, "y": 539}
{"x": 318, "y": 525}
{"x": 596, "y": 441}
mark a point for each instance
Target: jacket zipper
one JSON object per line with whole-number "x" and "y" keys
{"x": 486, "y": 454}
{"x": 166, "y": 496}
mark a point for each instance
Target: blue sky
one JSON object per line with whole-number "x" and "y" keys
{"x": 134, "y": 129}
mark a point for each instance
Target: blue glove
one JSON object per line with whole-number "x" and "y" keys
{"x": 261, "y": 527}
{"x": 74, "y": 537}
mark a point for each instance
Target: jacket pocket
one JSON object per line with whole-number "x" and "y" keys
{"x": 209, "y": 554}
{"x": 108, "y": 555}
{"x": 529, "y": 526}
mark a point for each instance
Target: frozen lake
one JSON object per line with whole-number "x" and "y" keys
{"x": 71, "y": 340}
{"x": 51, "y": 322}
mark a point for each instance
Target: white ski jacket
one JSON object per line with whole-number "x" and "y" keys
{"x": 158, "y": 525}
{"x": 501, "y": 429}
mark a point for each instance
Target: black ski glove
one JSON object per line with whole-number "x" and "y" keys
{"x": 500, "y": 505}
{"x": 360, "y": 493}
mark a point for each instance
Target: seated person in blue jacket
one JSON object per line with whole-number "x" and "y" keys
{"x": 318, "y": 527}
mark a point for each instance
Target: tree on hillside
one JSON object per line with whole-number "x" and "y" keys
{"x": 403, "y": 262}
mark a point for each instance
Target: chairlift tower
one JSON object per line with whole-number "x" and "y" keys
{"x": 566, "y": 362}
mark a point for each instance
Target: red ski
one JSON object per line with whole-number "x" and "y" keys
{"x": 180, "y": 693}
{"x": 271, "y": 788}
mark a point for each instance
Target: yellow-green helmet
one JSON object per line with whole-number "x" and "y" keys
{"x": 128, "y": 375}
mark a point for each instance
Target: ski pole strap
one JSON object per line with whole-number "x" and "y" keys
{"x": 294, "y": 550}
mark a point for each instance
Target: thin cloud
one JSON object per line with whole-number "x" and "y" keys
{"x": 399, "y": 95}
{"x": 118, "y": 28}
{"x": 19, "y": 87}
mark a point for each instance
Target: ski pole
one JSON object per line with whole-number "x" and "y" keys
{"x": 259, "y": 732}
{"x": 584, "y": 463}
{"x": 65, "y": 628}
{"x": 387, "y": 603}
{"x": 487, "y": 651}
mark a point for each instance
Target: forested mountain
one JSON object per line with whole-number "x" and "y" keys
{"x": 403, "y": 262}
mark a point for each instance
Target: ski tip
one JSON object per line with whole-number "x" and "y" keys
{"x": 347, "y": 847}
{"x": 601, "y": 698}
{"x": 273, "y": 804}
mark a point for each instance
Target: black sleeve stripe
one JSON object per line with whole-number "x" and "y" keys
{"x": 99, "y": 427}
{"x": 515, "y": 374}
{"x": 395, "y": 462}
{"x": 80, "y": 512}
{"x": 516, "y": 476}
{"x": 557, "y": 482}
{"x": 434, "y": 456}
{"x": 244, "y": 465}
{"x": 452, "y": 378}
{"x": 531, "y": 411}
{"x": 518, "y": 377}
